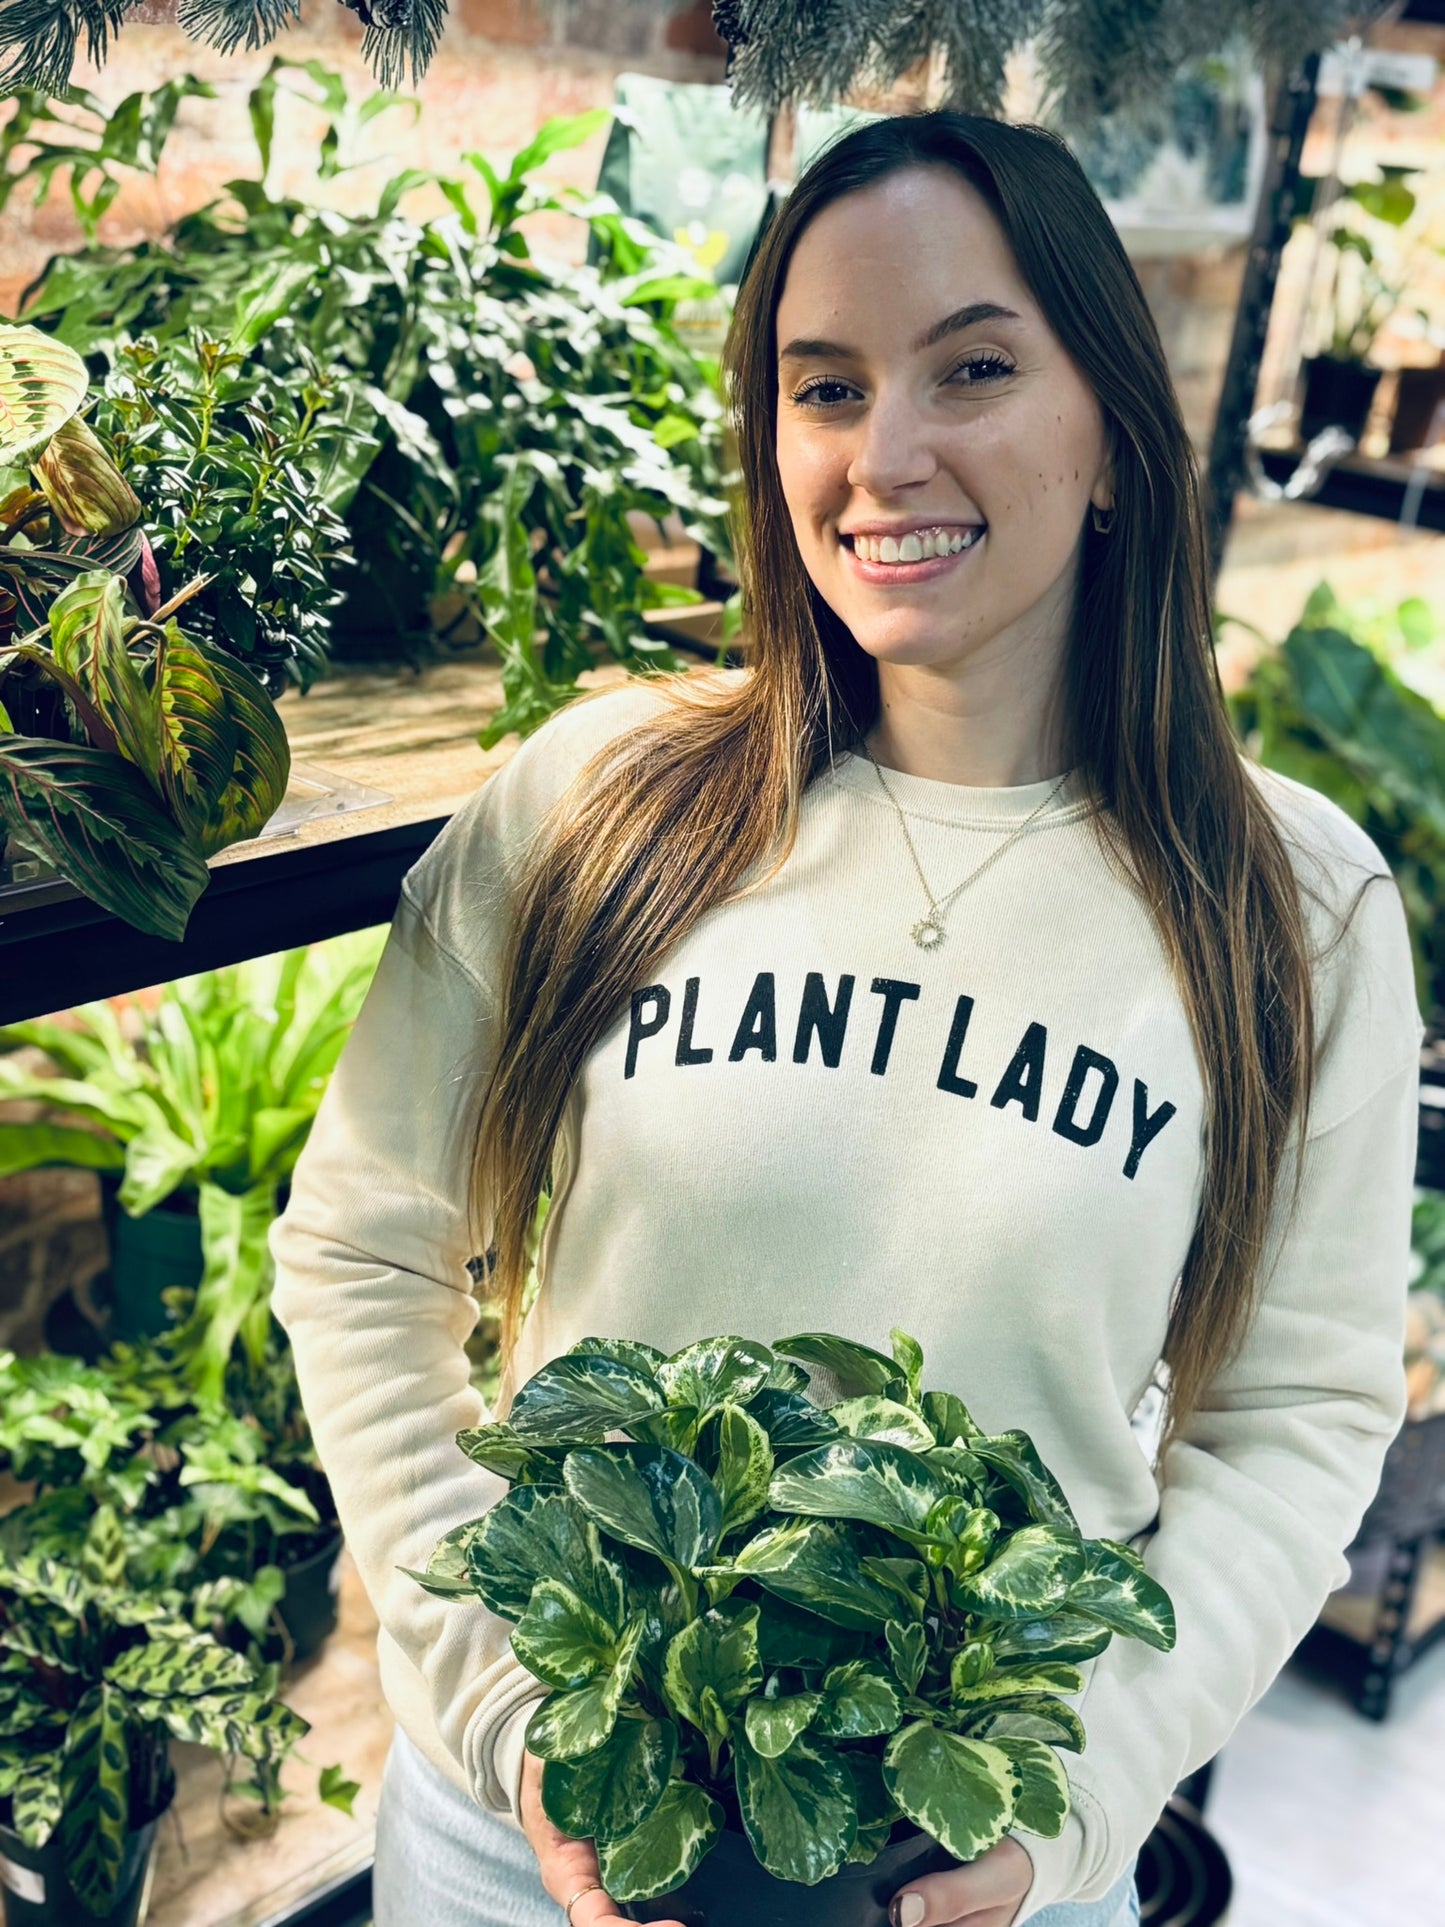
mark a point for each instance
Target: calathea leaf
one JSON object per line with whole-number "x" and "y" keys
{"x": 859, "y": 1700}
{"x": 37, "y": 1798}
{"x": 95, "y": 1788}
{"x": 882, "y": 1418}
{"x": 95, "y": 817}
{"x": 857, "y": 1370}
{"x": 1039, "y": 1718}
{"x": 908, "y": 1649}
{"x": 908, "y": 1356}
{"x": 798, "y": 1810}
{"x": 580, "y": 1398}
{"x": 179, "y": 1669}
{"x": 42, "y": 384}
{"x": 1118, "y": 1591}
{"x": 883, "y": 1485}
{"x": 717, "y": 1651}
{"x": 650, "y": 1497}
{"x": 561, "y": 1639}
{"x": 714, "y": 1369}
{"x": 1065, "y": 1635}
{"x": 1030, "y": 1576}
{"x": 744, "y": 1468}
{"x": 262, "y": 765}
{"x": 1013, "y": 1457}
{"x": 791, "y": 1421}
{"x": 88, "y": 645}
{"x": 659, "y": 1855}
{"x": 534, "y": 1534}
{"x": 1047, "y": 1676}
{"x": 817, "y": 1566}
{"x": 570, "y": 1724}
{"x": 498, "y": 1448}
{"x": 1042, "y": 1802}
{"x": 82, "y": 483}
{"x": 772, "y": 1725}
{"x": 959, "y": 1790}
{"x": 614, "y": 1788}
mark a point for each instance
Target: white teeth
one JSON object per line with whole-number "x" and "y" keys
{"x": 917, "y": 546}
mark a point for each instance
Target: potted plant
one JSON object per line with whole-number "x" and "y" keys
{"x": 193, "y": 1107}
{"x": 95, "y": 1679}
{"x": 790, "y": 1646}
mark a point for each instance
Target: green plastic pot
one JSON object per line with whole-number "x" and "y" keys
{"x": 147, "y": 1256}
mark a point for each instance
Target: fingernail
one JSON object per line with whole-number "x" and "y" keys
{"x": 907, "y": 1910}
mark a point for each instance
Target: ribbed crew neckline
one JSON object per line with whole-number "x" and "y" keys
{"x": 966, "y": 805}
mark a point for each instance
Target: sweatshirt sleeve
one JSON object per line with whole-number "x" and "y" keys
{"x": 373, "y": 1292}
{"x": 1269, "y": 1481}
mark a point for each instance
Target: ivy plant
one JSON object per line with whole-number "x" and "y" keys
{"x": 812, "y": 1622}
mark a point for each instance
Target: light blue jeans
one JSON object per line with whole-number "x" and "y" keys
{"x": 444, "y": 1861}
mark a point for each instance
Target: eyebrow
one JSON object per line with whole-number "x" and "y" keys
{"x": 809, "y": 347}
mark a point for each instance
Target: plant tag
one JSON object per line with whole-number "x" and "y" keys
{"x": 22, "y": 1881}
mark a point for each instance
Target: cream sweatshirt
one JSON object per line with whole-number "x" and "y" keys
{"x": 805, "y": 1122}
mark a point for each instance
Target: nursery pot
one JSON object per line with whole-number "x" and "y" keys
{"x": 307, "y": 1608}
{"x": 1419, "y": 409}
{"x": 730, "y": 1888}
{"x": 37, "y": 1893}
{"x": 147, "y": 1256}
{"x": 1338, "y": 394}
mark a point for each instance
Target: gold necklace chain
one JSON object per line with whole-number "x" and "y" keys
{"x": 928, "y": 932}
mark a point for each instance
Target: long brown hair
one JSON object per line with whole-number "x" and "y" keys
{"x": 701, "y": 801}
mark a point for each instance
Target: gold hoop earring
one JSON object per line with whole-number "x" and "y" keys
{"x": 1095, "y": 512}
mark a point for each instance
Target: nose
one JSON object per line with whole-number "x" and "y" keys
{"x": 891, "y": 448}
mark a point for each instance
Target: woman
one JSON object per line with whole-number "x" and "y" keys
{"x": 947, "y": 967}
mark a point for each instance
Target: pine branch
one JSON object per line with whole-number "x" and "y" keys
{"x": 399, "y": 33}
{"x": 38, "y": 39}
{"x": 229, "y": 24}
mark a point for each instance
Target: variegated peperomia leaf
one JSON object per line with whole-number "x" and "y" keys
{"x": 664, "y": 1850}
{"x": 961, "y": 1791}
{"x": 856, "y": 1369}
{"x": 570, "y": 1724}
{"x": 950, "y": 1419}
{"x": 1047, "y": 1676}
{"x": 1064, "y": 1635}
{"x": 649, "y": 1497}
{"x": 882, "y": 1485}
{"x": 791, "y": 1422}
{"x": 1023, "y": 1717}
{"x": 908, "y": 1356}
{"x": 614, "y": 1788}
{"x": 448, "y": 1574}
{"x": 860, "y": 1700}
{"x": 798, "y": 1810}
{"x": 1031, "y": 1575}
{"x": 642, "y": 1358}
{"x": 562, "y": 1639}
{"x": 1116, "y": 1589}
{"x": 535, "y": 1534}
{"x": 704, "y": 1374}
{"x": 773, "y": 1724}
{"x": 883, "y": 1419}
{"x": 817, "y": 1566}
{"x": 716, "y": 1654}
{"x": 1042, "y": 1803}
{"x": 744, "y": 1466}
{"x": 1013, "y": 1457}
{"x": 908, "y": 1650}
{"x": 579, "y": 1399}
{"x": 500, "y": 1450}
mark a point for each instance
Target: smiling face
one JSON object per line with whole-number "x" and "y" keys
{"x": 986, "y": 433}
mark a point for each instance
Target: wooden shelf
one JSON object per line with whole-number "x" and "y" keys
{"x": 1362, "y": 486}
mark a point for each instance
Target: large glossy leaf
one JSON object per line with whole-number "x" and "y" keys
{"x": 1013, "y": 1457}
{"x": 772, "y": 1725}
{"x": 860, "y": 1699}
{"x": 744, "y": 1468}
{"x": 818, "y": 1566}
{"x": 534, "y": 1534}
{"x": 1042, "y": 1802}
{"x": 1119, "y": 1592}
{"x": 82, "y": 483}
{"x": 857, "y": 1370}
{"x": 961, "y": 1791}
{"x": 611, "y": 1791}
{"x": 908, "y": 1649}
{"x": 884, "y": 1485}
{"x": 649, "y": 1497}
{"x": 630, "y": 1351}
{"x": 95, "y": 818}
{"x": 1065, "y": 1635}
{"x": 660, "y": 1854}
{"x": 716, "y": 1651}
{"x": 704, "y": 1374}
{"x": 908, "y": 1356}
{"x": 1031, "y": 1575}
{"x": 882, "y": 1418}
{"x": 42, "y": 384}
{"x": 950, "y": 1419}
{"x": 580, "y": 1399}
{"x": 1050, "y": 1720}
{"x": 1045, "y": 1676}
{"x": 570, "y": 1724}
{"x": 798, "y": 1810}
{"x": 789, "y": 1636}
{"x": 262, "y": 766}
{"x": 792, "y": 1422}
{"x": 498, "y": 1448}
{"x": 561, "y": 1638}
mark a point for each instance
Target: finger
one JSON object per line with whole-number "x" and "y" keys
{"x": 982, "y": 1893}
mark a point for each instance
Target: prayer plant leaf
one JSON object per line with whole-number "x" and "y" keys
{"x": 649, "y": 1497}
{"x": 665, "y": 1849}
{"x": 1117, "y": 1590}
{"x": 534, "y": 1534}
{"x": 961, "y": 1791}
{"x": 798, "y": 1810}
{"x": 613, "y": 1789}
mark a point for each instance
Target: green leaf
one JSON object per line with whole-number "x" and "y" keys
{"x": 561, "y": 1639}
{"x": 498, "y": 1448}
{"x": 772, "y": 1725}
{"x": 1042, "y": 1802}
{"x": 1065, "y": 1635}
{"x": 961, "y": 1791}
{"x": 1013, "y": 1457}
{"x": 704, "y": 1374}
{"x": 534, "y": 1534}
{"x": 819, "y": 1567}
{"x": 717, "y": 1651}
{"x": 610, "y": 1791}
{"x": 745, "y": 1467}
{"x": 857, "y": 1370}
{"x": 186, "y": 1669}
{"x": 950, "y": 1419}
{"x": 96, "y": 819}
{"x": 859, "y": 1700}
{"x": 37, "y": 1798}
{"x": 883, "y": 1485}
{"x": 575, "y": 1399}
{"x": 791, "y": 1421}
{"x": 95, "y": 1787}
{"x": 570, "y": 1724}
{"x": 1121, "y": 1594}
{"x": 908, "y": 1355}
{"x": 650, "y": 1497}
{"x": 908, "y": 1649}
{"x": 664, "y": 1850}
{"x": 82, "y": 483}
{"x": 627, "y": 1351}
{"x": 1050, "y": 1720}
{"x": 798, "y": 1810}
{"x": 42, "y": 384}
{"x": 1031, "y": 1575}
{"x": 335, "y": 1790}
{"x": 883, "y": 1419}
{"x": 1046, "y": 1676}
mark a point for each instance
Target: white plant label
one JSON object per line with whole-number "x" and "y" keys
{"x": 23, "y": 1881}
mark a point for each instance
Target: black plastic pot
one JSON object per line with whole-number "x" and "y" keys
{"x": 731, "y": 1889}
{"x": 147, "y": 1255}
{"x": 307, "y": 1608}
{"x": 1336, "y": 393}
{"x": 37, "y": 1893}
{"x": 1183, "y": 1876}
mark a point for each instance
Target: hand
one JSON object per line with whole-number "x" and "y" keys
{"x": 565, "y": 1864}
{"x": 986, "y": 1892}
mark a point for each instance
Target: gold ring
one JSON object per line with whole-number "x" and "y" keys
{"x": 593, "y": 1886}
